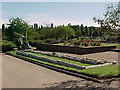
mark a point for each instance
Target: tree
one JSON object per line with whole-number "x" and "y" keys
{"x": 76, "y": 28}
{"x": 3, "y": 28}
{"x": 51, "y": 25}
{"x": 86, "y": 30}
{"x": 110, "y": 17}
{"x": 82, "y": 30}
{"x": 64, "y": 32}
{"x": 36, "y": 26}
{"x": 57, "y": 33}
{"x": 16, "y": 25}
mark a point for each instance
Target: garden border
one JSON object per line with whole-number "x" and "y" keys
{"x": 69, "y": 72}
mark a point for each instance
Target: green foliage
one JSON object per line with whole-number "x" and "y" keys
{"x": 16, "y": 25}
{"x": 110, "y": 19}
{"x": 51, "y": 40}
{"x": 32, "y": 34}
{"x": 8, "y": 46}
{"x": 57, "y": 33}
{"x": 34, "y": 42}
{"x": 84, "y": 44}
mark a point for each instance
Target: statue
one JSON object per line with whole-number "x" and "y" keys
{"x": 25, "y": 42}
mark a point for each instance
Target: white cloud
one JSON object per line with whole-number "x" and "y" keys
{"x": 47, "y": 18}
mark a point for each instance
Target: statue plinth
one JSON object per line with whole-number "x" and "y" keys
{"x": 26, "y": 46}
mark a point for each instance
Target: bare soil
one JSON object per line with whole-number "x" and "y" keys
{"x": 85, "y": 84}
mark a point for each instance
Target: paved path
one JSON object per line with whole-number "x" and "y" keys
{"x": 20, "y": 74}
{"x": 0, "y": 71}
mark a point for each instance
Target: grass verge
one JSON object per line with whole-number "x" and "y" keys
{"x": 103, "y": 71}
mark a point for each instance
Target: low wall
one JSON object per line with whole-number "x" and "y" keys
{"x": 73, "y": 49}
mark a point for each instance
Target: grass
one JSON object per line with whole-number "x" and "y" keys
{"x": 61, "y": 59}
{"x": 108, "y": 70}
{"x": 59, "y": 44}
{"x": 102, "y": 44}
{"x": 109, "y": 44}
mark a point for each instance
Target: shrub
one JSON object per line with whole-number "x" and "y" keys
{"x": 77, "y": 43}
{"x": 52, "y": 41}
{"x": 32, "y": 43}
{"x": 98, "y": 43}
{"x": 94, "y": 43}
{"x": 8, "y": 46}
{"x": 84, "y": 44}
{"x": 39, "y": 41}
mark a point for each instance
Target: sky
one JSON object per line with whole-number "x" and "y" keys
{"x": 58, "y": 13}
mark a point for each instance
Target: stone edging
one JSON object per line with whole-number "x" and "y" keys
{"x": 50, "y": 61}
{"x": 82, "y": 60}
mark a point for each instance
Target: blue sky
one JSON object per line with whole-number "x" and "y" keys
{"x": 58, "y": 13}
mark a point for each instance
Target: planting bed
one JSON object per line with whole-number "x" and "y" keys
{"x": 73, "y": 49}
{"x": 98, "y": 72}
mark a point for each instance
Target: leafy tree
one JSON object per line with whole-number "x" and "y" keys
{"x": 90, "y": 31}
{"x": 36, "y": 26}
{"x": 110, "y": 17}
{"x": 51, "y": 25}
{"x": 32, "y": 34}
{"x": 57, "y": 33}
{"x": 86, "y": 31}
{"x": 45, "y": 33}
{"x": 76, "y": 28}
{"x": 16, "y": 25}
{"x": 3, "y": 28}
{"x": 65, "y": 31}
{"x": 82, "y": 30}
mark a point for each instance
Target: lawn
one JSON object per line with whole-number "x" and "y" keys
{"x": 61, "y": 59}
{"x": 102, "y": 44}
{"x": 109, "y": 44}
{"x": 109, "y": 70}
